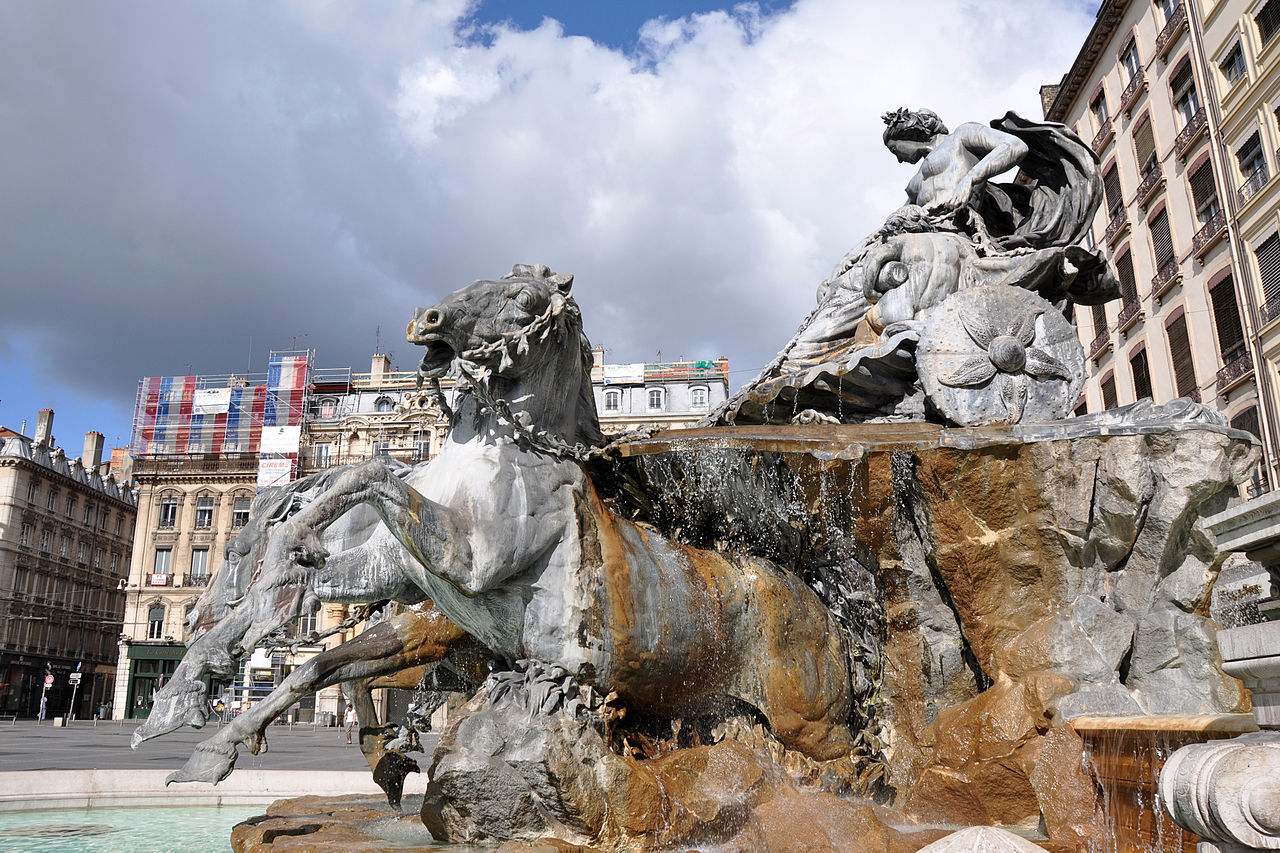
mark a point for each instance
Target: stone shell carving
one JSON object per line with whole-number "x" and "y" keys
{"x": 998, "y": 354}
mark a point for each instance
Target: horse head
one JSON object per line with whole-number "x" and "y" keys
{"x": 523, "y": 329}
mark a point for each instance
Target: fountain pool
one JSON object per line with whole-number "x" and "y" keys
{"x": 139, "y": 829}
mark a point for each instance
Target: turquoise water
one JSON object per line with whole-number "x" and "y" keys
{"x": 142, "y": 829}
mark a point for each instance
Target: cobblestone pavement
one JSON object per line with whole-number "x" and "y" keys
{"x": 85, "y": 746}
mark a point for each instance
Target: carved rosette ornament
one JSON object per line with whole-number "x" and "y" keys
{"x": 999, "y": 354}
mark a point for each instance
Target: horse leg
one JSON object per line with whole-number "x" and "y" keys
{"x": 389, "y": 766}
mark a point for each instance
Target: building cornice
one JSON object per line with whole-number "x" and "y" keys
{"x": 1073, "y": 82}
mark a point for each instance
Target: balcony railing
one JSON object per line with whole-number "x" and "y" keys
{"x": 1129, "y": 313}
{"x": 1174, "y": 27}
{"x": 1254, "y": 181}
{"x": 1258, "y": 484}
{"x": 1190, "y": 133}
{"x": 237, "y": 463}
{"x": 1234, "y": 371}
{"x": 1100, "y": 344}
{"x": 1104, "y": 136}
{"x": 1270, "y": 310}
{"x": 1131, "y": 92}
{"x": 1117, "y": 225}
{"x": 1150, "y": 183}
{"x": 1209, "y": 233}
{"x": 196, "y": 580}
{"x": 1165, "y": 278}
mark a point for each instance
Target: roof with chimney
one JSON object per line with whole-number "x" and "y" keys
{"x": 42, "y": 453}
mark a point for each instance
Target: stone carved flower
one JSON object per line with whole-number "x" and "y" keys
{"x": 1009, "y": 357}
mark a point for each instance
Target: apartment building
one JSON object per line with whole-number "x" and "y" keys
{"x": 1179, "y": 99}
{"x": 66, "y": 530}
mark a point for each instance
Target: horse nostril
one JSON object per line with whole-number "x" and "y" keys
{"x": 433, "y": 319}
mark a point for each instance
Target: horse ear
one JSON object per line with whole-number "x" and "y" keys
{"x": 562, "y": 282}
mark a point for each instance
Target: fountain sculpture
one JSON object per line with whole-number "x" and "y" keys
{"x": 856, "y": 610}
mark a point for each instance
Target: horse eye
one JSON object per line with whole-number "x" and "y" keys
{"x": 525, "y": 300}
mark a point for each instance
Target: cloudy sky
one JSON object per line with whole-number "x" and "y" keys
{"x": 184, "y": 186}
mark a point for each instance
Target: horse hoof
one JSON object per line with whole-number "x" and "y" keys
{"x": 206, "y": 765}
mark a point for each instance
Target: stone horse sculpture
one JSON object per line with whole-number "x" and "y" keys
{"x": 508, "y": 537}
{"x": 248, "y": 601}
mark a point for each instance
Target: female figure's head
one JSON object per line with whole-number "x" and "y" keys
{"x": 911, "y": 134}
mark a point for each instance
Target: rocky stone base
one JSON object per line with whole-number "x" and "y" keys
{"x": 358, "y": 823}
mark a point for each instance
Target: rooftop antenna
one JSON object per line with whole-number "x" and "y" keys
{"x": 248, "y": 365}
{"x": 293, "y": 340}
{"x": 377, "y": 337}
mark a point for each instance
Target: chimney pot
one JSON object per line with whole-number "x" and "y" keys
{"x": 92, "y": 456}
{"x": 44, "y": 427}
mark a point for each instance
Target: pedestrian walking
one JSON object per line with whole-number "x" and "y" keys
{"x": 350, "y": 720}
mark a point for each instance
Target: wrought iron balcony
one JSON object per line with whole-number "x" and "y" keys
{"x": 1165, "y": 278}
{"x": 1150, "y": 183}
{"x": 1100, "y": 344}
{"x": 1234, "y": 372}
{"x": 1129, "y": 314}
{"x": 1270, "y": 310}
{"x": 1105, "y": 134}
{"x": 196, "y": 580}
{"x": 1189, "y": 134}
{"x": 1258, "y": 485}
{"x": 1254, "y": 181}
{"x": 1209, "y": 233}
{"x": 1174, "y": 27}
{"x": 1131, "y": 92}
{"x": 1116, "y": 226}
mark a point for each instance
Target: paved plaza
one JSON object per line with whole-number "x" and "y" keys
{"x": 85, "y": 746}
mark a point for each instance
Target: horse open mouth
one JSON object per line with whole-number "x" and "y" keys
{"x": 437, "y": 359}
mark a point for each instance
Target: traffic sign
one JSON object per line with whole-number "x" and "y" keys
{"x": 48, "y": 681}
{"x": 75, "y": 677}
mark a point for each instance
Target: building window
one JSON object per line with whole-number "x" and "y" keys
{"x": 32, "y": 488}
{"x": 1184, "y": 368}
{"x": 1167, "y": 8}
{"x": 71, "y": 506}
{"x": 155, "y": 621}
{"x": 328, "y": 408}
{"x": 1099, "y": 319}
{"x": 115, "y": 563}
{"x": 1186, "y": 100}
{"x": 1141, "y": 375}
{"x": 120, "y": 524}
{"x": 422, "y": 451}
{"x": 1253, "y": 167}
{"x": 382, "y": 448}
{"x": 1111, "y": 189}
{"x": 199, "y": 565}
{"x": 1129, "y": 59}
{"x": 1099, "y": 109}
{"x": 64, "y": 547}
{"x": 320, "y": 455}
{"x": 97, "y": 559}
{"x": 1232, "y": 65}
{"x": 1204, "y": 192}
{"x": 384, "y": 404}
{"x": 84, "y": 553}
{"x": 102, "y": 519}
{"x": 1144, "y": 145}
{"x": 1247, "y": 421}
{"x": 1109, "y": 392}
{"x": 53, "y": 499}
{"x": 1226, "y": 317}
{"x": 307, "y": 621}
{"x": 1128, "y": 285}
{"x": 1268, "y": 254}
{"x": 1081, "y": 410}
{"x": 613, "y": 401}
{"x": 1161, "y": 239}
{"x": 1268, "y": 20}
{"x": 46, "y": 540}
{"x": 162, "y": 564}
{"x": 26, "y": 535}
{"x": 168, "y": 512}
{"x": 698, "y": 397}
{"x": 88, "y": 514}
{"x": 240, "y": 513}
{"x": 655, "y": 398}
{"x": 204, "y": 513}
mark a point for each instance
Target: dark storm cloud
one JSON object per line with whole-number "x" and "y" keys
{"x": 178, "y": 179}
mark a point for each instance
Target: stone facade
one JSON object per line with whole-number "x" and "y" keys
{"x": 1186, "y": 130}
{"x": 66, "y": 528}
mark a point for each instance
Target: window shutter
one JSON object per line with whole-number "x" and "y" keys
{"x": 1109, "y": 393}
{"x": 1184, "y": 370}
{"x": 1144, "y": 144}
{"x": 1182, "y": 79}
{"x": 1161, "y": 240}
{"x": 1111, "y": 188}
{"x": 1268, "y": 20}
{"x": 1128, "y": 285}
{"x": 1099, "y": 319}
{"x": 1269, "y": 267}
{"x": 1141, "y": 375}
{"x": 1248, "y": 421}
{"x": 1203, "y": 189}
{"x": 1226, "y": 316}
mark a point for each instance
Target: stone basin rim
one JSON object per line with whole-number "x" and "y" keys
{"x": 851, "y": 441}
{"x": 1217, "y": 723}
